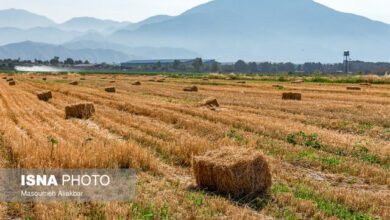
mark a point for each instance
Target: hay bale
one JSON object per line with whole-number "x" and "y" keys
{"x": 353, "y": 88}
{"x": 211, "y": 102}
{"x": 205, "y": 79}
{"x": 112, "y": 81}
{"x": 44, "y": 79}
{"x": 160, "y": 80}
{"x": 232, "y": 170}
{"x": 74, "y": 83}
{"x": 44, "y": 96}
{"x": 12, "y": 83}
{"x": 365, "y": 84}
{"x": 191, "y": 89}
{"x": 291, "y": 96}
{"x": 82, "y": 111}
{"x": 151, "y": 80}
{"x": 82, "y": 78}
{"x": 4, "y": 77}
{"x": 242, "y": 82}
{"x": 298, "y": 81}
{"x": 65, "y": 77}
{"x": 31, "y": 77}
{"x": 136, "y": 83}
{"x": 110, "y": 89}
{"x": 10, "y": 79}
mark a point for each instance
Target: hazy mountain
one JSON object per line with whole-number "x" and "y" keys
{"x": 29, "y": 51}
{"x": 135, "y": 52}
{"x": 151, "y": 20}
{"x": 23, "y": 19}
{"x": 39, "y": 34}
{"x": 84, "y": 24}
{"x": 275, "y": 30}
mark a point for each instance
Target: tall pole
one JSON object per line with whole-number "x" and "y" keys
{"x": 346, "y": 68}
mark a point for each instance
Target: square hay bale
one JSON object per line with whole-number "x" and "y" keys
{"x": 112, "y": 81}
{"x": 233, "y": 170}
{"x": 4, "y": 77}
{"x": 10, "y": 79}
{"x": 12, "y": 83}
{"x": 44, "y": 79}
{"x": 74, "y": 83}
{"x": 242, "y": 82}
{"x": 110, "y": 89}
{"x": 298, "y": 81}
{"x": 291, "y": 96}
{"x": 44, "y": 96}
{"x": 191, "y": 89}
{"x": 353, "y": 88}
{"x": 138, "y": 83}
{"x": 160, "y": 80}
{"x": 82, "y": 78}
{"x": 82, "y": 111}
{"x": 211, "y": 102}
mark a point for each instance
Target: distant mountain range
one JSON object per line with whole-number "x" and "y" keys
{"x": 95, "y": 52}
{"x": 227, "y": 30}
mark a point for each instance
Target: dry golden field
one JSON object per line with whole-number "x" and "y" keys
{"x": 329, "y": 153}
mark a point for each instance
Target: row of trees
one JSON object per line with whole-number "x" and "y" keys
{"x": 198, "y": 66}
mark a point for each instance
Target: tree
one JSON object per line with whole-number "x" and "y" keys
{"x": 197, "y": 64}
{"x": 55, "y": 61}
{"x": 176, "y": 64}
{"x": 69, "y": 61}
{"x": 86, "y": 62}
{"x": 241, "y": 66}
{"x": 252, "y": 67}
{"x": 214, "y": 67}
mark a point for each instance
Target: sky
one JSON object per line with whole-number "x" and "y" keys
{"x": 137, "y": 10}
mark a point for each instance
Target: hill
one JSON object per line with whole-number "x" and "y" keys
{"x": 30, "y": 50}
{"x": 23, "y": 19}
{"x": 275, "y": 30}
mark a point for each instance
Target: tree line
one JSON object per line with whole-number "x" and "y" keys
{"x": 198, "y": 66}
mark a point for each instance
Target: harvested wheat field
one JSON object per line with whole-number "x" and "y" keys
{"x": 327, "y": 156}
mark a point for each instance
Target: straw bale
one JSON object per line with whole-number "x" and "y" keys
{"x": 191, "y": 89}
{"x": 292, "y": 96}
{"x": 83, "y": 110}
{"x": 233, "y": 170}
{"x": 44, "y": 96}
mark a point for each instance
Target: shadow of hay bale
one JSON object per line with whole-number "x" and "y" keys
{"x": 255, "y": 201}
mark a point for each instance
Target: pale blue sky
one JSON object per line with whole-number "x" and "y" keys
{"x": 136, "y": 10}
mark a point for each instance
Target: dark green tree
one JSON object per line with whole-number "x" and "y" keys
{"x": 214, "y": 67}
{"x": 197, "y": 64}
{"x": 55, "y": 61}
{"x": 240, "y": 66}
{"x": 69, "y": 61}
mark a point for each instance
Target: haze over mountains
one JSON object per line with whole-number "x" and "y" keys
{"x": 226, "y": 30}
